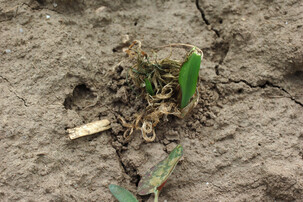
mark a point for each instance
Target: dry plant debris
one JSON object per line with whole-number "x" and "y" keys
{"x": 89, "y": 129}
{"x": 159, "y": 85}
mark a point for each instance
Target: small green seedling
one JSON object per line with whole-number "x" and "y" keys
{"x": 122, "y": 194}
{"x": 188, "y": 76}
{"x": 154, "y": 180}
{"x": 168, "y": 86}
{"x": 149, "y": 87}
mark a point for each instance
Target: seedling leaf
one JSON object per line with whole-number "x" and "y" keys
{"x": 122, "y": 194}
{"x": 188, "y": 76}
{"x": 155, "y": 178}
{"x": 149, "y": 87}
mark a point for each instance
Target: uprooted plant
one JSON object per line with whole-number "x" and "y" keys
{"x": 169, "y": 87}
{"x": 153, "y": 181}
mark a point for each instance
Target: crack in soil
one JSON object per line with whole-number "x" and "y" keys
{"x": 205, "y": 19}
{"x": 266, "y": 84}
{"x": 122, "y": 164}
{"x": 217, "y": 70}
{"x": 13, "y": 12}
{"x": 5, "y": 79}
{"x": 12, "y": 91}
{"x": 134, "y": 178}
{"x": 21, "y": 98}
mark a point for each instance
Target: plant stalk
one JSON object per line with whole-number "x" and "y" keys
{"x": 182, "y": 45}
{"x": 89, "y": 129}
{"x": 156, "y": 195}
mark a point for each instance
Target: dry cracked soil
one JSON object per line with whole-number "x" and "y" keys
{"x": 243, "y": 141}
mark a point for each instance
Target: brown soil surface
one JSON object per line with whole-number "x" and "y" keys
{"x": 243, "y": 142}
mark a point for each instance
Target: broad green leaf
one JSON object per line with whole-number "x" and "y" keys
{"x": 188, "y": 76}
{"x": 122, "y": 194}
{"x": 155, "y": 178}
{"x": 149, "y": 87}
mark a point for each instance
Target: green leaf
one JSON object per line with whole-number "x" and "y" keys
{"x": 149, "y": 87}
{"x": 122, "y": 194}
{"x": 155, "y": 178}
{"x": 188, "y": 76}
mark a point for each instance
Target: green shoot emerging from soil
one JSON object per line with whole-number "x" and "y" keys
{"x": 168, "y": 86}
{"x": 122, "y": 194}
{"x": 188, "y": 76}
{"x": 149, "y": 87}
{"x": 153, "y": 181}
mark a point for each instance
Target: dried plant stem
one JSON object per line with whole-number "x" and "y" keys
{"x": 89, "y": 129}
{"x": 182, "y": 45}
{"x": 157, "y": 192}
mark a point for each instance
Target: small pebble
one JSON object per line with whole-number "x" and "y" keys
{"x": 47, "y": 16}
{"x": 170, "y": 147}
{"x": 55, "y": 5}
{"x": 207, "y": 183}
{"x": 286, "y": 22}
{"x": 8, "y": 51}
{"x": 21, "y": 30}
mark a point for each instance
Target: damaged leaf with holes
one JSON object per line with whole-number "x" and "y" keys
{"x": 168, "y": 86}
{"x": 154, "y": 180}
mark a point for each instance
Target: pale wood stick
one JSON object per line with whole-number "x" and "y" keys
{"x": 89, "y": 129}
